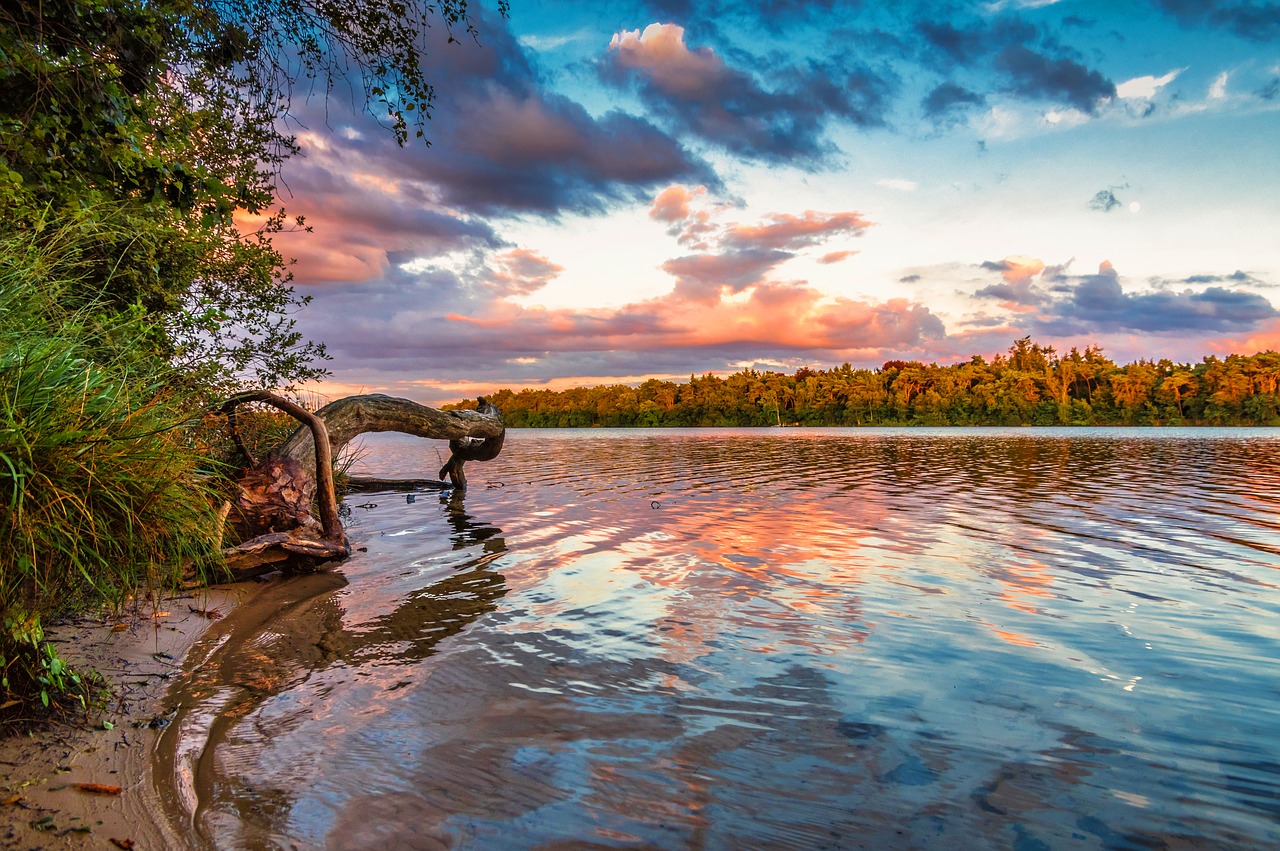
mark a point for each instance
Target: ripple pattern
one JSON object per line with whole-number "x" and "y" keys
{"x": 778, "y": 638}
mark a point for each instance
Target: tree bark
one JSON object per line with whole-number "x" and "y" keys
{"x": 273, "y": 512}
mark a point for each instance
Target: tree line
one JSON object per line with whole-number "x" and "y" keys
{"x": 1030, "y": 385}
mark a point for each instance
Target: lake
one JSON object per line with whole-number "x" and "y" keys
{"x": 775, "y": 638}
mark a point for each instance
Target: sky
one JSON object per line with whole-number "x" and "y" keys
{"x": 617, "y": 191}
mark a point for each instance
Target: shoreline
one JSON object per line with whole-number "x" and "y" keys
{"x": 140, "y": 651}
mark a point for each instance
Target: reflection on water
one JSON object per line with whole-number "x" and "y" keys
{"x": 783, "y": 638}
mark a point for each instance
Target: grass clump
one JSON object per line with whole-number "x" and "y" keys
{"x": 99, "y": 488}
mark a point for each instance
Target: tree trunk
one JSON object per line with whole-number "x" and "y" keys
{"x": 273, "y": 511}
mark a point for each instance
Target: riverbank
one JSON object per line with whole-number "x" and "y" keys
{"x": 72, "y": 786}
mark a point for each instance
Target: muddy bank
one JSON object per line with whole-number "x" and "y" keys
{"x": 141, "y": 653}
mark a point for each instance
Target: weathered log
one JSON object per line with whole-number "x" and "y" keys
{"x": 348, "y": 418}
{"x": 273, "y": 512}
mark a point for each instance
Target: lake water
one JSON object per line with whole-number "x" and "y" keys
{"x": 779, "y": 638}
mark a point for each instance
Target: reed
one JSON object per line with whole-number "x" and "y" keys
{"x": 100, "y": 497}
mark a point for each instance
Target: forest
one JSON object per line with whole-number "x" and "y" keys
{"x": 1031, "y": 385}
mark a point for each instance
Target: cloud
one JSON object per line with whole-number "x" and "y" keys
{"x": 691, "y": 227}
{"x": 706, "y": 276}
{"x": 948, "y": 101}
{"x": 1031, "y": 64}
{"x": 521, "y": 271}
{"x": 946, "y": 44}
{"x": 502, "y": 143}
{"x": 724, "y": 306}
{"x": 735, "y": 256}
{"x": 672, "y": 204}
{"x": 357, "y": 226}
{"x": 1099, "y": 303}
{"x": 1104, "y": 201}
{"x": 391, "y": 334}
{"x": 696, "y": 91}
{"x": 1146, "y": 87}
{"x": 1248, "y": 20}
{"x": 1034, "y": 75}
{"x": 1016, "y": 289}
{"x": 786, "y": 231}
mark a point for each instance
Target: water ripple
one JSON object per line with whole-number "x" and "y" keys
{"x": 781, "y": 638}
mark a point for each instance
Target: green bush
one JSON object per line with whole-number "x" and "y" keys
{"x": 100, "y": 495}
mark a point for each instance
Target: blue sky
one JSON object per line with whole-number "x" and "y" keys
{"x": 617, "y": 191}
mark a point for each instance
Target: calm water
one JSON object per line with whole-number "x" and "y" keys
{"x": 776, "y": 638}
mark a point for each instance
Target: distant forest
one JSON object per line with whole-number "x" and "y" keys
{"x": 1032, "y": 385}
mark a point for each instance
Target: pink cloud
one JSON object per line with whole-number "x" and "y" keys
{"x": 767, "y": 316}
{"x": 660, "y": 52}
{"x": 1020, "y": 269}
{"x": 672, "y": 203}
{"x": 521, "y": 271}
{"x": 736, "y": 256}
{"x": 835, "y": 257}
{"x": 786, "y": 231}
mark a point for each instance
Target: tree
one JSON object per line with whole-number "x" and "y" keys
{"x": 153, "y": 122}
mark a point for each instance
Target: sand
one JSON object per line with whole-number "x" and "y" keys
{"x": 140, "y": 652}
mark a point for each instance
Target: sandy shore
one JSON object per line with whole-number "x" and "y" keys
{"x": 140, "y": 652}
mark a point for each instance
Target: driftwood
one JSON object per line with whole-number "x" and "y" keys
{"x": 272, "y": 514}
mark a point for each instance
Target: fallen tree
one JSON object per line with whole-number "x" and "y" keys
{"x": 272, "y": 512}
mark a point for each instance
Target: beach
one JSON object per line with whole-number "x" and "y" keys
{"x": 58, "y": 784}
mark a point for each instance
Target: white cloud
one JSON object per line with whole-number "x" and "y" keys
{"x": 1218, "y": 89}
{"x": 1001, "y": 5}
{"x": 550, "y": 42}
{"x": 1062, "y": 118}
{"x": 1146, "y": 87}
{"x": 899, "y": 184}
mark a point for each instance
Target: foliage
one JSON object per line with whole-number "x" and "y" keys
{"x": 32, "y": 672}
{"x": 1032, "y": 385}
{"x": 99, "y": 492}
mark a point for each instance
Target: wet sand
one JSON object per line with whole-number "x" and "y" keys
{"x": 140, "y": 652}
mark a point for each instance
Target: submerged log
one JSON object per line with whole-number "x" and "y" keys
{"x": 273, "y": 512}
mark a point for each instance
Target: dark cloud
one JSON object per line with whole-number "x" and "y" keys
{"x": 502, "y": 143}
{"x": 948, "y": 100}
{"x": 1035, "y": 75}
{"x": 1017, "y": 288}
{"x": 946, "y": 45}
{"x": 1031, "y": 62}
{"x": 1255, "y": 21}
{"x": 1006, "y": 292}
{"x": 697, "y": 91}
{"x": 1237, "y": 277}
{"x": 1104, "y": 201}
{"x": 1099, "y": 303}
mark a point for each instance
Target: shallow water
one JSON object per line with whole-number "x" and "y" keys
{"x": 987, "y": 638}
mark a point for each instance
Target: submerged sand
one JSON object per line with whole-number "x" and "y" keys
{"x": 140, "y": 651}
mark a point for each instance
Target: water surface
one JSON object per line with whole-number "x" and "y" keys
{"x": 783, "y": 638}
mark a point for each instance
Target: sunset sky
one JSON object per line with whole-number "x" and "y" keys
{"x": 616, "y": 191}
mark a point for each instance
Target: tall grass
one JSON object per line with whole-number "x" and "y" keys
{"x": 99, "y": 492}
